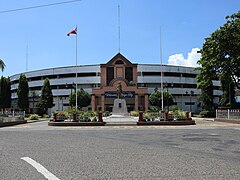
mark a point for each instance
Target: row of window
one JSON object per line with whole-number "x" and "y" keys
{"x": 65, "y": 86}
{"x": 171, "y": 74}
{"x": 110, "y": 74}
{"x": 173, "y": 85}
{"x": 59, "y": 76}
{"x": 155, "y": 86}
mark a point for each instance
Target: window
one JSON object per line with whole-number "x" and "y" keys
{"x": 119, "y": 62}
{"x": 189, "y": 75}
{"x": 151, "y": 73}
{"x": 129, "y": 73}
{"x": 189, "y": 103}
{"x": 110, "y": 74}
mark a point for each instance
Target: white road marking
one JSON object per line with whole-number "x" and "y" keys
{"x": 40, "y": 168}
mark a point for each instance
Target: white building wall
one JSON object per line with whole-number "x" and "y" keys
{"x": 87, "y": 83}
{"x": 157, "y": 79}
{"x": 165, "y": 68}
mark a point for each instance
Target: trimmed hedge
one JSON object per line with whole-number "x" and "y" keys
{"x": 208, "y": 114}
{"x": 34, "y": 117}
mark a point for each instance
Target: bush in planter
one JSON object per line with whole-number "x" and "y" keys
{"x": 89, "y": 114}
{"x": 173, "y": 108}
{"x": 134, "y": 113}
{"x": 61, "y": 116}
{"x": 177, "y": 114}
{"x": 94, "y": 119}
{"x": 106, "y": 114}
{"x": 146, "y": 116}
{"x": 154, "y": 114}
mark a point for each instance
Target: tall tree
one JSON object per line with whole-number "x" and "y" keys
{"x": 34, "y": 97}
{"x": 83, "y": 98}
{"x": 22, "y": 92}
{"x": 5, "y": 93}
{"x": 221, "y": 60}
{"x": 156, "y": 98}
{"x": 205, "y": 83}
{"x": 2, "y": 65}
{"x": 46, "y": 99}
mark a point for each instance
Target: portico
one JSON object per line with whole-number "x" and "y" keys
{"x": 119, "y": 69}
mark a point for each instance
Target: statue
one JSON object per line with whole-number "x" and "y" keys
{"x": 119, "y": 106}
{"x": 119, "y": 90}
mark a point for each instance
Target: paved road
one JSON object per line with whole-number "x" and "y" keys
{"x": 209, "y": 150}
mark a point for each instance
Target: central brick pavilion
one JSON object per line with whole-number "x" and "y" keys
{"x": 119, "y": 69}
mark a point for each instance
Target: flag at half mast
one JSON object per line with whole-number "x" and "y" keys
{"x": 73, "y": 31}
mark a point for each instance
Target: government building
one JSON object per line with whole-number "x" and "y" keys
{"x": 138, "y": 82}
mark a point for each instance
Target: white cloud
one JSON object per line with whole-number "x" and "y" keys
{"x": 191, "y": 61}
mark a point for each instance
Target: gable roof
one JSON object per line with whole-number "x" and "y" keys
{"x": 117, "y": 57}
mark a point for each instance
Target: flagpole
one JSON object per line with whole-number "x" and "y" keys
{"x": 27, "y": 58}
{"x": 161, "y": 66}
{"x": 76, "y": 67}
{"x": 119, "y": 30}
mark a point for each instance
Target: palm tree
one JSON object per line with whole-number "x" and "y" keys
{"x": 2, "y": 65}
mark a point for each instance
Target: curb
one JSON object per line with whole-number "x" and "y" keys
{"x": 142, "y": 123}
{"x": 34, "y": 121}
{"x": 12, "y": 123}
{"x": 164, "y": 123}
{"x": 234, "y": 121}
{"x": 121, "y": 124}
{"x": 76, "y": 123}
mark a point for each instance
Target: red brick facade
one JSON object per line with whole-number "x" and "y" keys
{"x": 119, "y": 69}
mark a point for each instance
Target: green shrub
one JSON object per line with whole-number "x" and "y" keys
{"x": 177, "y": 114}
{"x": 146, "y": 116}
{"x": 154, "y": 109}
{"x": 173, "y": 108}
{"x": 27, "y": 115}
{"x": 33, "y": 117}
{"x": 134, "y": 113}
{"x": 94, "y": 119}
{"x": 154, "y": 114}
{"x": 89, "y": 114}
{"x": 207, "y": 114}
{"x": 62, "y": 114}
{"x": 45, "y": 116}
{"x": 106, "y": 113}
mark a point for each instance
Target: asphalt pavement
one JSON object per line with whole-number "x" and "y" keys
{"x": 208, "y": 150}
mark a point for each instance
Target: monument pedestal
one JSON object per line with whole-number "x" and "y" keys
{"x": 119, "y": 108}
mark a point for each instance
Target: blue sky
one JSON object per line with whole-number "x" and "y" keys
{"x": 184, "y": 24}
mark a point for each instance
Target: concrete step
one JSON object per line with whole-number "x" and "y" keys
{"x": 122, "y": 123}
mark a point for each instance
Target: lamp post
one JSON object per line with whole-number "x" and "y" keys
{"x": 159, "y": 98}
{"x": 71, "y": 91}
{"x": 71, "y": 86}
{"x": 62, "y": 103}
{"x": 191, "y": 93}
{"x": 74, "y": 87}
{"x": 186, "y": 94}
{"x": 190, "y": 97}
